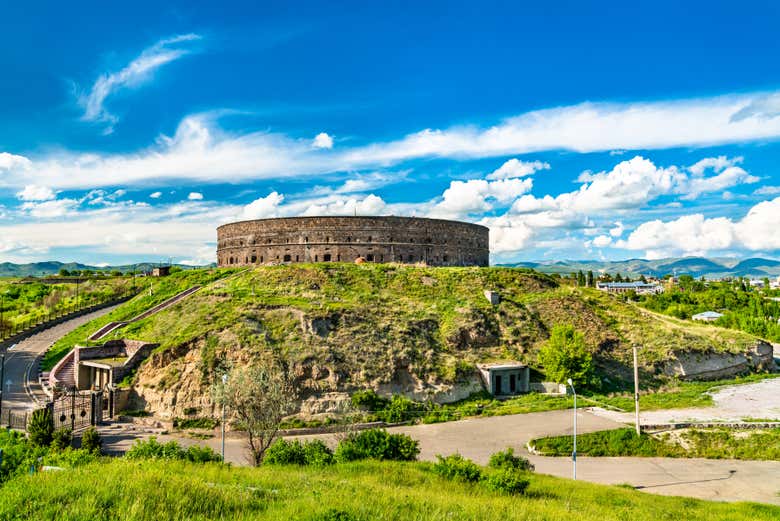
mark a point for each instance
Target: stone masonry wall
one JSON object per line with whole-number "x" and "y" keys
{"x": 406, "y": 240}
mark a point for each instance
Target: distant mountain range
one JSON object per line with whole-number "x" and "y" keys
{"x": 695, "y": 266}
{"x": 39, "y": 269}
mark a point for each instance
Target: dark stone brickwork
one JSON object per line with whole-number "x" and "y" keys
{"x": 407, "y": 240}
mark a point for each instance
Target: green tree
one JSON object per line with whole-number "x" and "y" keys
{"x": 580, "y": 278}
{"x": 64, "y": 272}
{"x": 565, "y": 356}
{"x": 41, "y": 428}
{"x": 591, "y": 284}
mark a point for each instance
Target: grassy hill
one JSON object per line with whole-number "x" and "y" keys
{"x": 169, "y": 490}
{"x": 398, "y": 329}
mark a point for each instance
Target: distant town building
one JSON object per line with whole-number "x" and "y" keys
{"x": 757, "y": 283}
{"x": 640, "y": 288}
{"x": 707, "y": 316}
{"x": 161, "y": 271}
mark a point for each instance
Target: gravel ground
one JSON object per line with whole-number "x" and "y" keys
{"x": 759, "y": 400}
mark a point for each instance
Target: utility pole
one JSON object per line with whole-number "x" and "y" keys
{"x": 224, "y": 383}
{"x": 574, "y": 452}
{"x": 636, "y": 390}
{"x": 2, "y": 379}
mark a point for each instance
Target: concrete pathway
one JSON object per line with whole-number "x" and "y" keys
{"x": 20, "y": 388}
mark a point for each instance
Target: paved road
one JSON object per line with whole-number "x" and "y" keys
{"x": 477, "y": 439}
{"x": 20, "y": 362}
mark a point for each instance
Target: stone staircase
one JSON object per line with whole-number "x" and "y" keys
{"x": 63, "y": 373}
{"x": 113, "y": 326}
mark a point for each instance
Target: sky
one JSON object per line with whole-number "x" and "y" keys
{"x": 573, "y": 130}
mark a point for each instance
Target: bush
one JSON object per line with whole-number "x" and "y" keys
{"x": 506, "y": 481}
{"x": 195, "y": 423}
{"x": 333, "y": 515}
{"x": 565, "y": 356}
{"x": 507, "y": 460}
{"x": 41, "y": 428}
{"x": 61, "y": 439}
{"x": 90, "y": 441}
{"x": 153, "y": 449}
{"x": 458, "y": 468}
{"x": 283, "y": 452}
{"x": 368, "y": 400}
{"x": 377, "y": 444}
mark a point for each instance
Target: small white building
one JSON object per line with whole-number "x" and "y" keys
{"x": 640, "y": 288}
{"x": 505, "y": 378}
{"x": 707, "y": 316}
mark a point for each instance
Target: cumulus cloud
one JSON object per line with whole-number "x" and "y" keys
{"x": 369, "y": 205}
{"x": 517, "y": 168}
{"x": 36, "y": 193}
{"x": 195, "y": 196}
{"x": 322, "y": 140}
{"x": 463, "y": 198}
{"x": 697, "y": 234}
{"x": 155, "y": 195}
{"x": 133, "y": 74}
{"x": 617, "y": 231}
{"x": 602, "y": 241}
{"x": 13, "y": 162}
{"x": 51, "y": 209}
{"x": 767, "y": 190}
{"x": 263, "y": 207}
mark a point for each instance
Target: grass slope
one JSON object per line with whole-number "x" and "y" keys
{"x": 163, "y": 490}
{"x": 688, "y": 443}
{"x": 344, "y": 327}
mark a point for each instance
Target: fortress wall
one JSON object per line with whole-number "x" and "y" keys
{"x": 343, "y": 239}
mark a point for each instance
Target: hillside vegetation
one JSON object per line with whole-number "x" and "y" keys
{"x": 174, "y": 490}
{"x": 396, "y": 329}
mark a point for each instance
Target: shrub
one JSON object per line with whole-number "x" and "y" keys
{"x": 61, "y": 439}
{"x": 90, "y": 441}
{"x": 458, "y": 468}
{"x": 283, "y": 452}
{"x": 195, "y": 423}
{"x": 153, "y": 449}
{"x": 506, "y": 481}
{"x": 377, "y": 444}
{"x": 334, "y": 515}
{"x": 41, "y": 428}
{"x": 368, "y": 400}
{"x": 398, "y": 410}
{"x": 507, "y": 460}
{"x": 317, "y": 453}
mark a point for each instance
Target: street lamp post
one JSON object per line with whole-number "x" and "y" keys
{"x": 574, "y": 452}
{"x": 224, "y": 382}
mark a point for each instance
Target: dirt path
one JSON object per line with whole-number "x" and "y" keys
{"x": 759, "y": 400}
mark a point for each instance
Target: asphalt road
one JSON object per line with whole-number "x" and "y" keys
{"x": 20, "y": 362}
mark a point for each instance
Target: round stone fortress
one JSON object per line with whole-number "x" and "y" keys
{"x": 407, "y": 240}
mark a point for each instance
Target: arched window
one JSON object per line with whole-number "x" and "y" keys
{"x": 369, "y": 238}
{"x": 349, "y": 239}
{"x": 370, "y": 257}
{"x": 326, "y": 257}
{"x": 315, "y": 258}
{"x": 261, "y": 258}
{"x": 305, "y": 239}
{"x": 287, "y": 258}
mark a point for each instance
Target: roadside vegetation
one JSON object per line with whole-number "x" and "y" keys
{"x": 686, "y": 443}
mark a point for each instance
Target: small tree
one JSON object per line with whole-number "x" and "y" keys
{"x": 91, "y": 441}
{"x": 590, "y": 280}
{"x": 565, "y": 356}
{"x": 259, "y": 396}
{"x": 41, "y": 427}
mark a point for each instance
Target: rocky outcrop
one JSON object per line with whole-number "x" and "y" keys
{"x": 711, "y": 365}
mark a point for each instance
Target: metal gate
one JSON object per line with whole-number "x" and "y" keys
{"x": 15, "y": 418}
{"x": 77, "y": 410}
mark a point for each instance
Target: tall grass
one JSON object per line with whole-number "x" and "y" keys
{"x": 173, "y": 490}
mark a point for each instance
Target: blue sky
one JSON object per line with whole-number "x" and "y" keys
{"x": 573, "y": 131}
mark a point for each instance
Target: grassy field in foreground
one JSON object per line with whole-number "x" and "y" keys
{"x": 163, "y": 490}
{"x": 688, "y": 443}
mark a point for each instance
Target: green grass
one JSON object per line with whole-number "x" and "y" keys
{"x": 688, "y": 443}
{"x": 171, "y": 490}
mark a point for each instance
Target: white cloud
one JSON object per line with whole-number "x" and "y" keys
{"x": 50, "y": 209}
{"x": 369, "y": 205}
{"x": 202, "y": 152}
{"x": 263, "y": 207}
{"x": 716, "y": 163}
{"x": 602, "y": 241}
{"x": 617, "y": 231}
{"x": 475, "y": 196}
{"x": 195, "y": 196}
{"x": 322, "y": 140}
{"x": 36, "y": 193}
{"x": 13, "y": 162}
{"x": 696, "y": 234}
{"x": 516, "y": 168}
{"x": 155, "y": 195}
{"x": 133, "y": 74}
{"x": 767, "y": 190}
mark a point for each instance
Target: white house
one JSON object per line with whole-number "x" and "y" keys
{"x": 641, "y": 288}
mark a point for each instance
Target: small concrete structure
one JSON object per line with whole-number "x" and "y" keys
{"x": 99, "y": 367}
{"x": 707, "y": 316}
{"x": 493, "y": 297}
{"x": 161, "y": 271}
{"x": 505, "y": 379}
